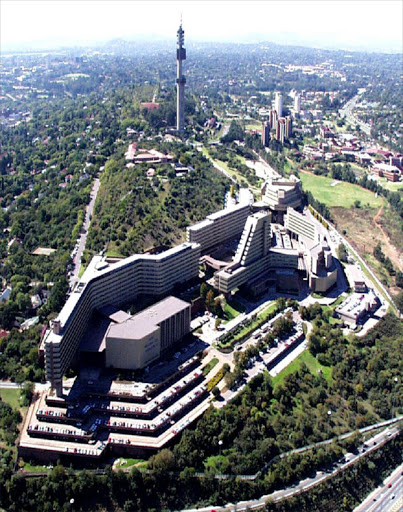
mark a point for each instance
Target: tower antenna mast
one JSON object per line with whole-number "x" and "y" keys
{"x": 180, "y": 80}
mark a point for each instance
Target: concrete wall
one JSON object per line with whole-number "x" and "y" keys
{"x": 133, "y": 354}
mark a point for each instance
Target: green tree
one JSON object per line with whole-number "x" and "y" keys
{"x": 210, "y": 300}
{"x": 203, "y": 290}
{"x": 342, "y": 253}
{"x": 164, "y": 460}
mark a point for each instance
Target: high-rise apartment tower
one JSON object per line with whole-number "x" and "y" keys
{"x": 278, "y": 104}
{"x": 180, "y": 81}
{"x": 297, "y": 103}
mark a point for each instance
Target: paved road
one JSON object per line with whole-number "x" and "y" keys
{"x": 371, "y": 445}
{"x": 9, "y": 385}
{"x": 388, "y": 497}
{"x": 347, "y": 111}
{"x": 84, "y": 231}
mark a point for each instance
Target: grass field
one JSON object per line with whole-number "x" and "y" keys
{"x": 253, "y": 125}
{"x": 261, "y": 317}
{"x": 128, "y": 463}
{"x": 310, "y": 361}
{"x": 230, "y": 312}
{"x": 11, "y": 397}
{"x": 264, "y": 315}
{"x": 34, "y": 468}
{"x": 114, "y": 254}
{"x": 209, "y": 366}
{"x": 233, "y": 308}
{"x": 289, "y": 167}
{"x": 392, "y": 186}
{"x": 235, "y": 174}
{"x": 343, "y": 194}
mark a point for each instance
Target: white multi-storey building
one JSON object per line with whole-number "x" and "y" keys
{"x": 218, "y": 227}
{"x": 278, "y": 104}
{"x": 116, "y": 284}
{"x": 297, "y": 103}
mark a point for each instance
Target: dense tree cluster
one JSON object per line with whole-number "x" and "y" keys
{"x": 19, "y": 356}
{"x": 134, "y": 213}
{"x": 346, "y": 491}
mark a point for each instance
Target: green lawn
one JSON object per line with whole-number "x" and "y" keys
{"x": 232, "y": 309}
{"x": 224, "y": 165}
{"x": 127, "y": 463}
{"x": 34, "y": 468}
{"x": 354, "y": 167}
{"x": 264, "y": 315}
{"x": 114, "y": 254}
{"x": 81, "y": 271}
{"x": 289, "y": 167}
{"x": 343, "y": 194}
{"x": 253, "y": 125}
{"x": 392, "y": 186}
{"x": 380, "y": 270}
{"x": 310, "y": 361}
{"x": 11, "y": 396}
{"x": 261, "y": 317}
{"x": 230, "y": 312}
{"x": 210, "y": 365}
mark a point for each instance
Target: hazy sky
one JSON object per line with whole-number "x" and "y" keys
{"x": 344, "y": 24}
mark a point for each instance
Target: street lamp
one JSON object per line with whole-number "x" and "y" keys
{"x": 220, "y": 443}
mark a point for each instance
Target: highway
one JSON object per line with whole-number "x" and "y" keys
{"x": 388, "y": 497}
{"x": 347, "y": 112}
{"x": 371, "y": 445}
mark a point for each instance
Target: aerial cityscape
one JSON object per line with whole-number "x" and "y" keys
{"x": 201, "y": 265}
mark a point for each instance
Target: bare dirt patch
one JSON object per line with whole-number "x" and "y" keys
{"x": 365, "y": 227}
{"x": 358, "y": 227}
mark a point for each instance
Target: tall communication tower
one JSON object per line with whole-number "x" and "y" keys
{"x": 180, "y": 81}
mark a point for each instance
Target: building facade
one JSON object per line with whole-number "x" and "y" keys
{"x": 218, "y": 227}
{"x": 265, "y": 133}
{"x": 278, "y": 104}
{"x": 141, "y": 339}
{"x": 300, "y": 225}
{"x": 102, "y": 285}
{"x": 297, "y": 103}
{"x": 280, "y": 194}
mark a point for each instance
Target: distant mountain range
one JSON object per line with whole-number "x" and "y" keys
{"x": 155, "y": 41}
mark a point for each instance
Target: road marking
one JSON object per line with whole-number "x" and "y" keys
{"x": 398, "y": 506}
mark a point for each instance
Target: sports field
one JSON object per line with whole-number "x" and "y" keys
{"x": 338, "y": 193}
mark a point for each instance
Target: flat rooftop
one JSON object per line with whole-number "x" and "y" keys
{"x": 146, "y": 321}
{"x": 114, "y": 314}
{"x": 161, "y": 310}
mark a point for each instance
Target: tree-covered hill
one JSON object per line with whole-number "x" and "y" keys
{"x": 134, "y": 213}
